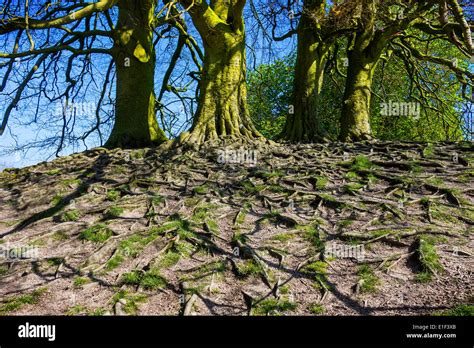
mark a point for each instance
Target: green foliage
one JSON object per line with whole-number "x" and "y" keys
{"x": 459, "y": 310}
{"x": 269, "y": 95}
{"x": 113, "y": 195}
{"x": 149, "y": 280}
{"x": 361, "y": 163}
{"x": 429, "y": 258}
{"x": 56, "y": 200}
{"x": 273, "y": 306}
{"x": 70, "y": 215}
{"x": 97, "y": 233}
{"x": 312, "y": 234}
{"x": 369, "y": 280}
{"x": 317, "y": 308}
{"x": 170, "y": 259}
{"x": 114, "y": 262}
{"x": 80, "y": 281}
{"x": 14, "y": 303}
{"x": 113, "y": 212}
{"x": 131, "y": 301}
{"x": 248, "y": 268}
{"x": 201, "y": 190}
{"x": 271, "y": 85}
{"x": 393, "y": 83}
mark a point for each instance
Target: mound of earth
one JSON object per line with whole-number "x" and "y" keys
{"x": 374, "y": 228}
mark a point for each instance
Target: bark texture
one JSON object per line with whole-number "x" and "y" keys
{"x": 302, "y": 123}
{"x": 355, "y": 120}
{"x": 222, "y": 109}
{"x": 135, "y": 120}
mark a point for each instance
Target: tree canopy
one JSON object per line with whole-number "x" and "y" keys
{"x": 137, "y": 73}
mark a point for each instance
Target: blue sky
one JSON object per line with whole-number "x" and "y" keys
{"x": 20, "y": 130}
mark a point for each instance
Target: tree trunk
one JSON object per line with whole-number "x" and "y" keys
{"x": 222, "y": 105}
{"x": 135, "y": 121}
{"x": 302, "y": 123}
{"x": 355, "y": 122}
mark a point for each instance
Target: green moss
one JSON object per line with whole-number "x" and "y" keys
{"x": 352, "y": 187}
{"x": 114, "y": 212}
{"x": 416, "y": 168}
{"x": 248, "y": 268}
{"x": 316, "y": 308}
{"x": 351, "y": 176}
{"x": 68, "y": 182}
{"x": 319, "y": 267}
{"x": 113, "y": 195}
{"x": 239, "y": 237}
{"x": 170, "y": 259}
{"x": 283, "y": 237}
{"x": 428, "y": 151}
{"x": 14, "y": 303}
{"x": 78, "y": 309}
{"x": 321, "y": 182}
{"x": 191, "y": 201}
{"x": 201, "y": 190}
{"x": 423, "y": 277}
{"x": 70, "y": 215}
{"x": 3, "y": 270}
{"x": 459, "y": 310}
{"x": 55, "y": 261}
{"x": 53, "y": 172}
{"x": 56, "y": 200}
{"x": 114, "y": 262}
{"x": 132, "y": 301}
{"x": 270, "y": 175}
{"x": 206, "y": 270}
{"x": 149, "y": 280}
{"x": 312, "y": 234}
{"x": 80, "y": 281}
{"x": 97, "y": 233}
{"x": 361, "y": 163}
{"x": 60, "y": 236}
{"x": 369, "y": 280}
{"x": 251, "y": 188}
{"x": 345, "y": 222}
{"x": 273, "y": 307}
{"x": 428, "y": 257}
{"x": 276, "y": 189}
{"x": 97, "y": 312}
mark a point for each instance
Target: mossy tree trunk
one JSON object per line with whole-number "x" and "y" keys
{"x": 355, "y": 118}
{"x": 222, "y": 106}
{"x": 365, "y": 51}
{"x": 302, "y": 123}
{"x": 135, "y": 121}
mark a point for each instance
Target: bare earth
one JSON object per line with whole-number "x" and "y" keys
{"x": 149, "y": 232}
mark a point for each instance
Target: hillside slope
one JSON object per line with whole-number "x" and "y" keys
{"x": 365, "y": 229}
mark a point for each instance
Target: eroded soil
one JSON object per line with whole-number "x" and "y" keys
{"x": 333, "y": 229}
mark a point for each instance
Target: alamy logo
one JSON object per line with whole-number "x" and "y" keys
{"x": 13, "y": 252}
{"x": 345, "y": 251}
{"x": 238, "y": 156}
{"x": 79, "y": 109}
{"x": 37, "y": 331}
{"x": 400, "y": 109}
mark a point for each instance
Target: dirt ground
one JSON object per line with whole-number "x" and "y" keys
{"x": 374, "y": 228}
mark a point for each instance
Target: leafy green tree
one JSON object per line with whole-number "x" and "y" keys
{"x": 269, "y": 98}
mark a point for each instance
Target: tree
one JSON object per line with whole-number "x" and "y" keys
{"x": 302, "y": 122}
{"x": 380, "y": 24}
{"x": 269, "y": 98}
{"x": 86, "y": 30}
{"x": 222, "y": 103}
{"x": 134, "y": 55}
